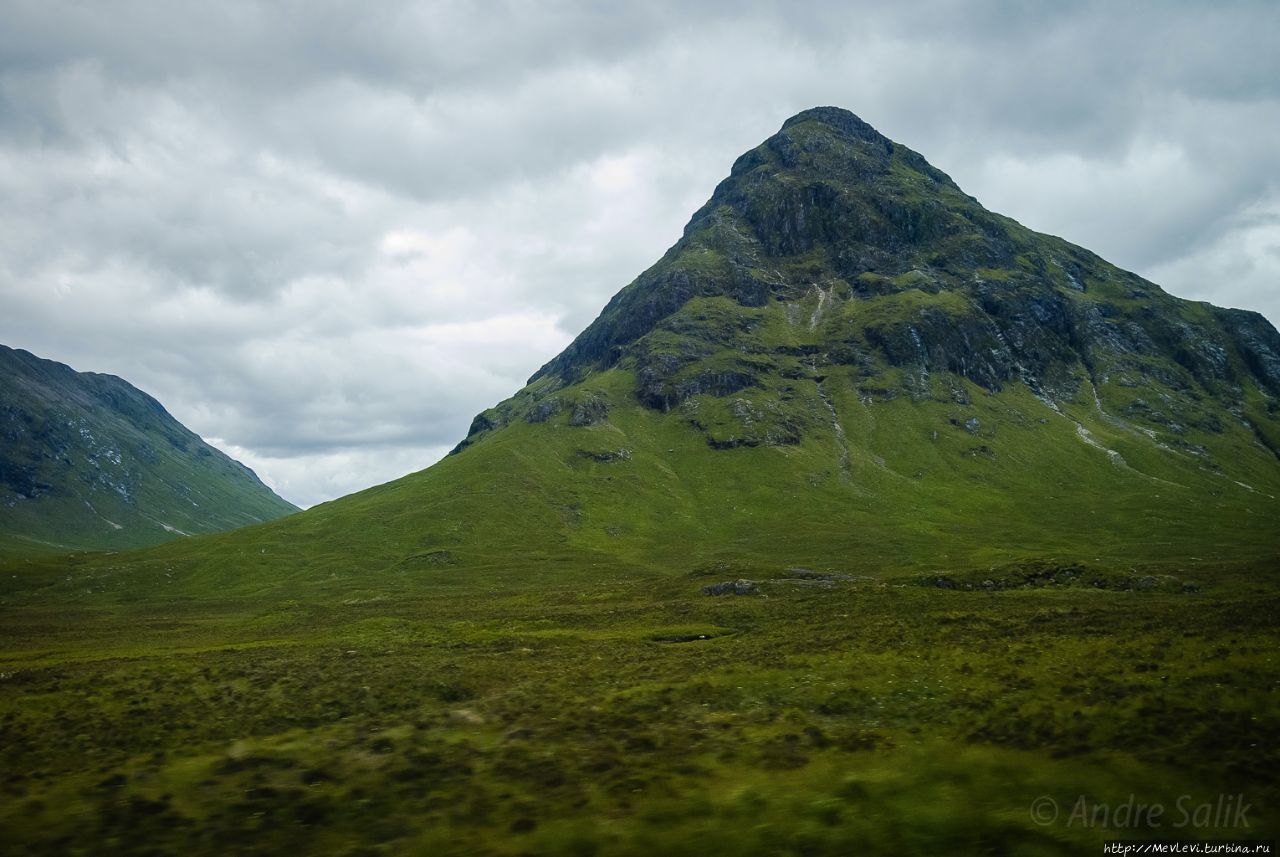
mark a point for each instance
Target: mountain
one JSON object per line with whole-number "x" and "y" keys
{"x": 90, "y": 461}
{"x": 845, "y": 362}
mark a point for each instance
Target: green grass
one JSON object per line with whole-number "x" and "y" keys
{"x": 872, "y": 717}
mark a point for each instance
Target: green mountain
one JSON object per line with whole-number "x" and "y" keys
{"x": 846, "y": 357}
{"x": 89, "y": 461}
{"x": 845, "y": 362}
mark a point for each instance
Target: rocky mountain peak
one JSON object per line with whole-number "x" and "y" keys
{"x": 831, "y": 250}
{"x": 843, "y": 121}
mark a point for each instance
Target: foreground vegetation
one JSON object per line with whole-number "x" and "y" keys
{"x": 817, "y": 715}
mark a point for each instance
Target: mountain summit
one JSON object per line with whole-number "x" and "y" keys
{"x": 831, "y": 248}
{"x": 905, "y": 363}
{"x": 844, "y": 362}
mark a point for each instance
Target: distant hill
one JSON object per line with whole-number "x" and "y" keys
{"x": 89, "y": 461}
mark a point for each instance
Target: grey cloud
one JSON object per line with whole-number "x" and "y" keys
{"x": 283, "y": 46}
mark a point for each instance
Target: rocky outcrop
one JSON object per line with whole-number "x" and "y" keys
{"x": 544, "y": 410}
{"x": 1258, "y": 343}
{"x": 732, "y": 587}
{"x": 589, "y": 412}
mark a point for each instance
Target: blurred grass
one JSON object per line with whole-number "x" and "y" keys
{"x": 871, "y": 717}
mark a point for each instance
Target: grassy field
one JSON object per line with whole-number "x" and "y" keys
{"x": 636, "y": 715}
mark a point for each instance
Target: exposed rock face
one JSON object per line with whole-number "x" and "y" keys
{"x": 606, "y": 456}
{"x": 731, "y": 587}
{"x": 589, "y": 412}
{"x": 544, "y": 410}
{"x": 1256, "y": 341}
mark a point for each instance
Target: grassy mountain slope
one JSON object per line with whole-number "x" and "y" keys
{"x": 89, "y": 461}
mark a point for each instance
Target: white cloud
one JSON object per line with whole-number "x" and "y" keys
{"x": 1246, "y": 257}
{"x": 333, "y": 473}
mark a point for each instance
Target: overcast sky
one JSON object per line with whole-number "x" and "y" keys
{"x": 326, "y": 235}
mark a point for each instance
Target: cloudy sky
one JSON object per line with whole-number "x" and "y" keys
{"x": 325, "y": 235}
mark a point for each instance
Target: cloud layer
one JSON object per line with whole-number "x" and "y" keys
{"x": 326, "y": 236}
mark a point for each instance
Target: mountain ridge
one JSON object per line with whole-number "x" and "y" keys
{"x": 90, "y": 461}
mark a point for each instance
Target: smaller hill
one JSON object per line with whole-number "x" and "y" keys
{"x": 88, "y": 461}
